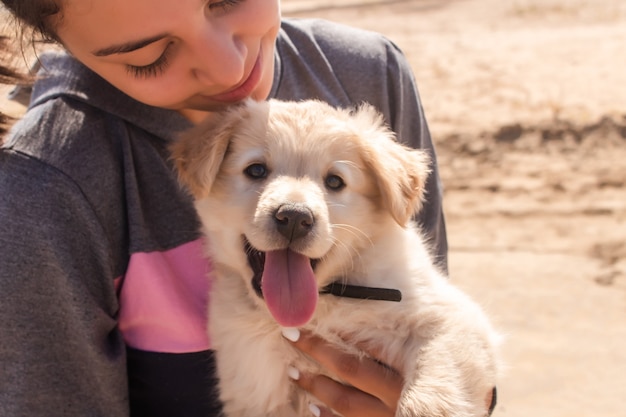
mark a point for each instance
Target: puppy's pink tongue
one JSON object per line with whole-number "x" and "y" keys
{"x": 289, "y": 287}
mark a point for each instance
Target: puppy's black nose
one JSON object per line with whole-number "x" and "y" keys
{"x": 294, "y": 220}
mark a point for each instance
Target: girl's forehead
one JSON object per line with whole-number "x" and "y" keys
{"x": 100, "y": 22}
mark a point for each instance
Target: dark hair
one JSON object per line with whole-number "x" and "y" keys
{"x": 8, "y": 75}
{"x": 35, "y": 21}
{"x": 36, "y": 17}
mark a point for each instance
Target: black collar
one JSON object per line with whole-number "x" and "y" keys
{"x": 349, "y": 291}
{"x": 364, "y": 293}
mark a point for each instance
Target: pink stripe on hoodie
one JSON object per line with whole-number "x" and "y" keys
{"x": 164, "y": 299}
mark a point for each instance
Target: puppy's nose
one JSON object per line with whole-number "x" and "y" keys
{"x": 294, "y": 220}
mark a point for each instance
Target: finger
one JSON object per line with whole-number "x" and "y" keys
{"x": 365, "y": 374}
{"x": 345, "y": 400}
{"x": 318, "y": 411}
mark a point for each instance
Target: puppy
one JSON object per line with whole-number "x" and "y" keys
{"x": 305, "y": 206}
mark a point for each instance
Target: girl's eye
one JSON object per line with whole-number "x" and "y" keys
{"x": 154, "y": 69}
{"x": 256, "y": 171}
{"x": 334, "y": 183}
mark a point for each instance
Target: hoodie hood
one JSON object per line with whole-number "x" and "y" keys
{"x": 60, "y": 75}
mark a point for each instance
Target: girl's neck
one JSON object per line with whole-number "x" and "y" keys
{"x": 196, "y": 116}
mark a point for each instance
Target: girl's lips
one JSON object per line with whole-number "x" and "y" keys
{"x": 244, "y": 89}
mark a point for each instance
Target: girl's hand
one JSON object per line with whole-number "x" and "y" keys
{"x": 371, "y": 389}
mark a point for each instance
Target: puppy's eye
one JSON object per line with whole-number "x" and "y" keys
{"x": 334, "y": 182}
{"x": 256, "y": 171}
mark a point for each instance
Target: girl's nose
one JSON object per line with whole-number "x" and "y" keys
{"x": 219, "y": 56}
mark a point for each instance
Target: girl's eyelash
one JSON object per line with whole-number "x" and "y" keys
{"x": 154, "y": 69}
{"x": 224, "y": 4}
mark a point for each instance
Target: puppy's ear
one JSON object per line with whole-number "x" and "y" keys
{"x": 399, "y": 171}
{"x": 199, "y": 152}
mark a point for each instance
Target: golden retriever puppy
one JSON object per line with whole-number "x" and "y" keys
{"x": 305, "y": 207}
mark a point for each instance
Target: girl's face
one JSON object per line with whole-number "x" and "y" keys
{"x": 192, "y": 56}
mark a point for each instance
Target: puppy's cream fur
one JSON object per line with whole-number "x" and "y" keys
{"x": 440, "y": 340}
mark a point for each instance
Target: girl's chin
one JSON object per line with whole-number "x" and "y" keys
{"x": 198, "y": 108}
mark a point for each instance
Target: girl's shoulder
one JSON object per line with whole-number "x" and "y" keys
{"x": 340, "y": 64}
{"x": 338, "y": 41}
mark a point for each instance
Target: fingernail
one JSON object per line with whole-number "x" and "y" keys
{"x": 293, "y": 373}
{"x": 291, "y": 333}
{"x": 315, "y": 410}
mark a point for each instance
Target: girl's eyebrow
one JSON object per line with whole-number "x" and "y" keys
{"x": 128, "y": 46}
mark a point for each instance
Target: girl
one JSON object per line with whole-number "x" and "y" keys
{"x": 103, "y": 284}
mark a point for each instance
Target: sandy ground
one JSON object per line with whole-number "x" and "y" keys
{"x": 527, "y": 104}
